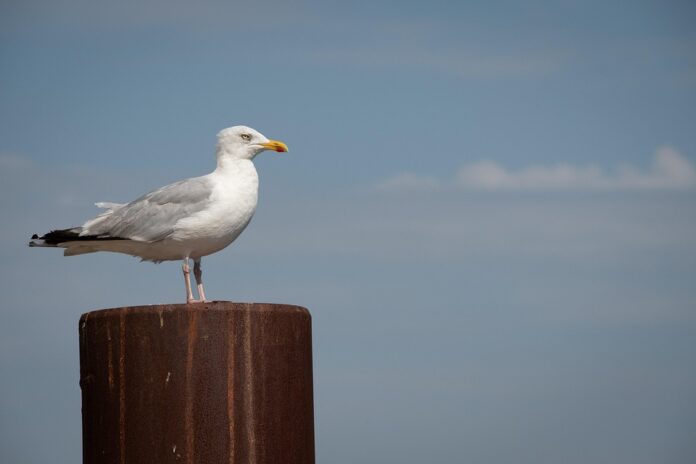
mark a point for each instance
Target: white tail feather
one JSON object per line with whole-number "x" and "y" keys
{"x": 107, "y": 205}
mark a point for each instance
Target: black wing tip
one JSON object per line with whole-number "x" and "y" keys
{"x": 35, "y": 244}
{"x": 58, "y": 236}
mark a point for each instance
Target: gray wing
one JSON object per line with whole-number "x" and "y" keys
{"x": 152, "y": 217}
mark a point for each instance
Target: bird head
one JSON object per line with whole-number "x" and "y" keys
{"x": 241, "y": 142}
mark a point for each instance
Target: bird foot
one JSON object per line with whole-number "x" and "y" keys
{"x": 194, "y": 300}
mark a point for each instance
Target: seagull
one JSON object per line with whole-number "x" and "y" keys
{"x": 185, "y": 220}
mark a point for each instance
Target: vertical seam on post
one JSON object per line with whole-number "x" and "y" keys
{"x": 110, "y": 355}
{"x": 230, "y": 383}
{"x": 122, "y": 387}
{"x": 249, "y": 413}
{"x": 190, "y": 344}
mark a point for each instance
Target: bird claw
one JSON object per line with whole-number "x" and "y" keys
{"x": 194, "y": 300}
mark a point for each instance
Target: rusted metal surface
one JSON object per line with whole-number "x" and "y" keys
{"x": 202, "y": 383}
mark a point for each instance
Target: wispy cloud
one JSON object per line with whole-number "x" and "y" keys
{"x": 12, "y": 162}
{"x": 670, "y": 170}
{"x": 470, "y": 63}
{"x": 85, "y": 15}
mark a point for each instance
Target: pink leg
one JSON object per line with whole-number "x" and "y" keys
{"x": 198, "y": 274}
{"x": 187, "y": 281}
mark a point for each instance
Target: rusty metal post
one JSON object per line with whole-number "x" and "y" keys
{"x": 203, "y": 383}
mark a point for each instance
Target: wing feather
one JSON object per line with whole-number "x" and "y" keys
{"x": 153, "y": 216}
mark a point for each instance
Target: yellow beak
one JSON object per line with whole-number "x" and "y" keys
{"x": 275, "y": 145}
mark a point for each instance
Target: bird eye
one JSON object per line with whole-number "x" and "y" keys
{"x": 246, "y": 137}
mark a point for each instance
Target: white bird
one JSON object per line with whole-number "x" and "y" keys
{"x": 185, "y": 220}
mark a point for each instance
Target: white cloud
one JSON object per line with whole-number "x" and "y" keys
{"x": 670, "y": 170}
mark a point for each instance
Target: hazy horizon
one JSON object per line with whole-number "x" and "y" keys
{"x": 488, "y": 209}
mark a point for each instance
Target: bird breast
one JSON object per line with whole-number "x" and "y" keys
{"x": 232, "y": 204}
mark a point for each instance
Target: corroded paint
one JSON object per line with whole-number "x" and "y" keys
{"x": 203, "y": 383}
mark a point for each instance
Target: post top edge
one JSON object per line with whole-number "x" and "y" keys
{"x": 192, "y": 307}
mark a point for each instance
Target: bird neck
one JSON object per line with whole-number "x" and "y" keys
{"x": 227, "y": 152}
{"x": 229, "y": 165}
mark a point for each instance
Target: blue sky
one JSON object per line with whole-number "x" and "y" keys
{"x": 488, "y": 208}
